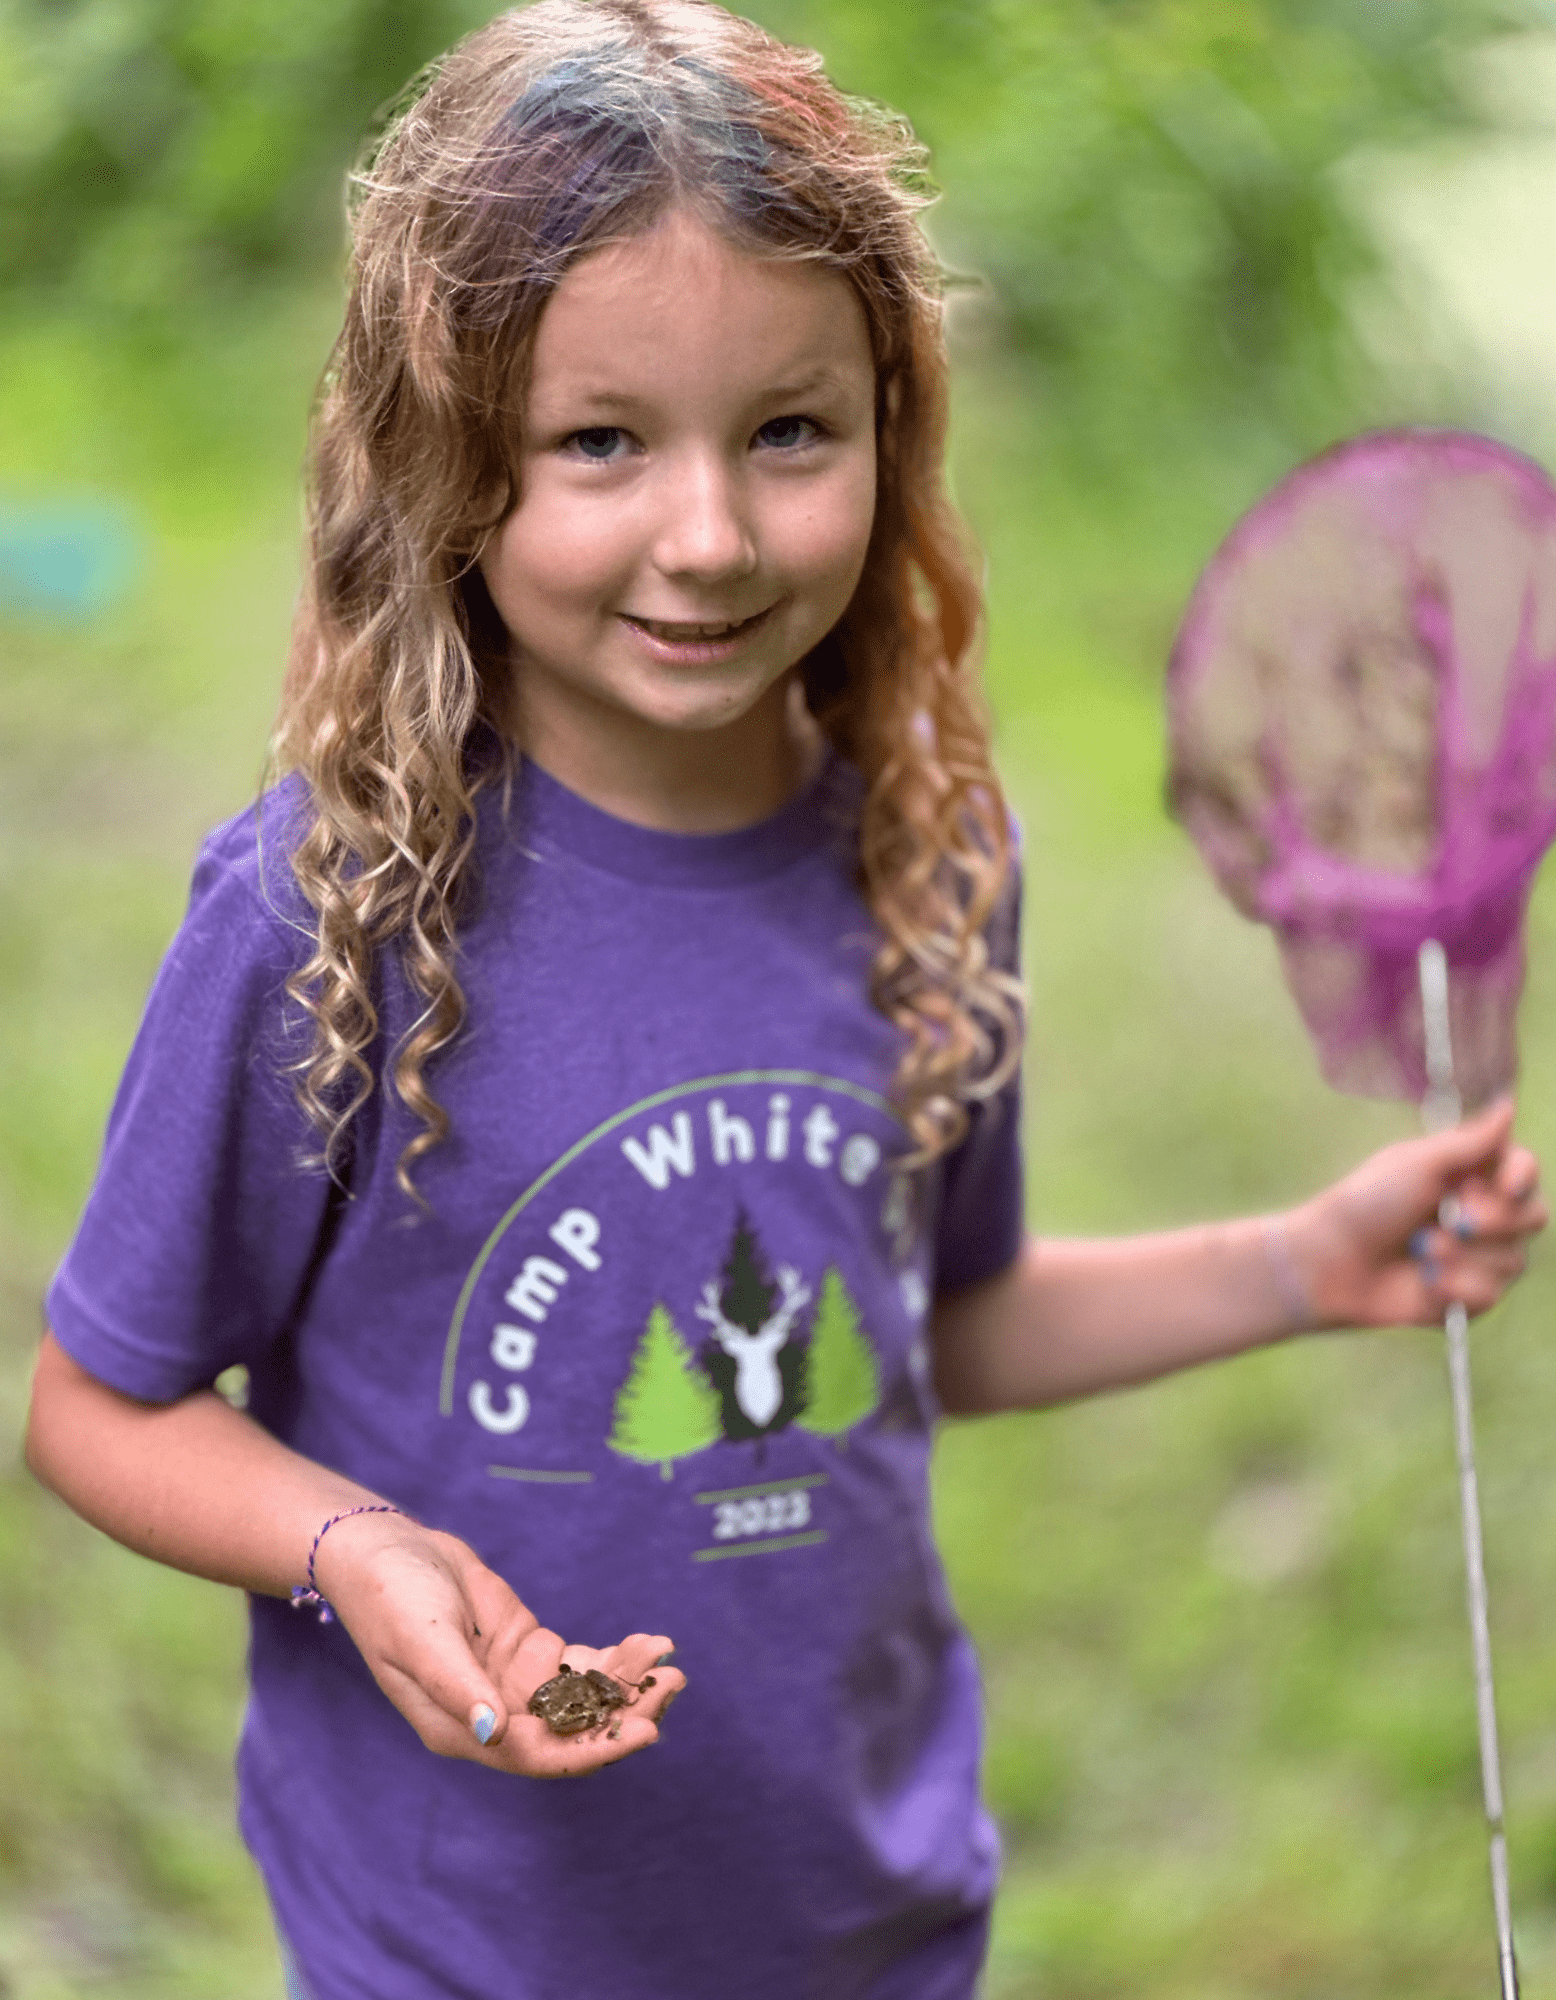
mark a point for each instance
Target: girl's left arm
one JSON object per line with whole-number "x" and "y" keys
{"x": 1070, "y": 1318}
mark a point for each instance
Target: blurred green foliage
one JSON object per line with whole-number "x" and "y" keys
{"x": 1231, "y": 1733}
{"x": 1149, "y": 189}
{"x": 1147, "y": 185}
{"x": 154, "y": 152}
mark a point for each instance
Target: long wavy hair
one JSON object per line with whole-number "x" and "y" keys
{"x": 558, "y": 129}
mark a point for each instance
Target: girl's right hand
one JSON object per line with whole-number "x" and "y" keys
{"x": 450, "y": 1644}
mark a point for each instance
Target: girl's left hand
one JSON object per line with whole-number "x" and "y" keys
{"x": 1420, "y": 1225}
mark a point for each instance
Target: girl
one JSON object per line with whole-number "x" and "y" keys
{"x": 582, "y": 1092}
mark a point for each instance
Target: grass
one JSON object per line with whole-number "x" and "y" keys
{"x": 1231, "y": 1738}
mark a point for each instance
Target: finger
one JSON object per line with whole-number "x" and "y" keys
{"x": 502, "y": 1624}
{"x": 1481, "y": 1212}
{"x": 1514, "y": 1204}
{"x": 1473, "y": 1223}
{"x": 641, "y": 1663}
{"x": 642, "y": 1653}
{"x": 500, "y": 1629}
{"x": 535, "y": 1660}
{"x": 645, "y": 1660}
{"x": 494, "y": 1624}
{"x": 1476, "y": 1282}
{"x": 1476, "y": 1290}
{"x": 628, "y": 1660}
{"x": 1500, "y": 1261}
{"x": 455, "y": 1708}
{"x": 1477, "y": 1142}
{"x": 441, "y": 1666}
{"x": 1518, "y": 1175}
{"x": 1445, "y": 1251}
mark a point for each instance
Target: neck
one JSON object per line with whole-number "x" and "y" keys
{"x": 676, "y": 781}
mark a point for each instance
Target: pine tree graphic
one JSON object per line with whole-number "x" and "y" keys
{"x": 748, "y": 1291}
{"x": 842, "y": 1381}
{"x": 667, "y": 1408}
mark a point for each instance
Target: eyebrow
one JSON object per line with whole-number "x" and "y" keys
{"x": 599, "y": 399}
{"x": 779, "y": 392}
{"x": 806, "y": 385}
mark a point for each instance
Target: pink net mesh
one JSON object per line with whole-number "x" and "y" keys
{"x": 1362, "y": 711}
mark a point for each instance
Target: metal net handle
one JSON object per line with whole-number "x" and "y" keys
{"x": 1440, "y": 1107}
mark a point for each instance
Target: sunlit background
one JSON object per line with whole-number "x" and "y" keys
{"x": 1231, "y": 1737}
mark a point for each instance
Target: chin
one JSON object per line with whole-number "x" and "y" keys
{"x": 697, "y": 721}
{"x": 704, "y": 711}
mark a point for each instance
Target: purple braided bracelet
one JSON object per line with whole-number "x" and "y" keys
{"x": 309, "y": 1592}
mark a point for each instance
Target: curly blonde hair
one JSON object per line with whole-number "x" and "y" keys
{"x": 557, "y": 129}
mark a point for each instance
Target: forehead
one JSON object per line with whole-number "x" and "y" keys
{"x": 680, "y": 308}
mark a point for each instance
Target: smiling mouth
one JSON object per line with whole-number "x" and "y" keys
{"x": 680, "y": 634}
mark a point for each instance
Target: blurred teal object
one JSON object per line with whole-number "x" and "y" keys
{"x": 66, "y": 559}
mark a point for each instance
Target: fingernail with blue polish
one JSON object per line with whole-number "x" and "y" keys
{"x": 483, "y": 1722}
{"x": 1419, "y": 1244}
{"x": 665, "y": 1658}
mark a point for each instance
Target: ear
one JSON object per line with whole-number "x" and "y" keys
{"x": 498, "y": 497}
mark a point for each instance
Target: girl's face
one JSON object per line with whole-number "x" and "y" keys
{"x": 697, "y": 487}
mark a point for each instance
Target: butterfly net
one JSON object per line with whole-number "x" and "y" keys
{"x": 1362, "y": 713}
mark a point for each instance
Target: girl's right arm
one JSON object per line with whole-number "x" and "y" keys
{"x": 199, "y": 1485}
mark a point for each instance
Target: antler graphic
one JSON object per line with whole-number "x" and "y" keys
{"x": 758, "y": 1385}
{"x": 724, "y": 1330}
{"x": 795, "y": 1295}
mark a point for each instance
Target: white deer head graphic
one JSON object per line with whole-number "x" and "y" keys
{"x": 758, "y": 1385}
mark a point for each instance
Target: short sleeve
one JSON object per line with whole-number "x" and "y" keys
{"x": 983, "y": 1191}
{"x": 203, "y": 1221}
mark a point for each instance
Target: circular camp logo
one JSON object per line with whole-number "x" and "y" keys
{"x": 715, "y": 1264}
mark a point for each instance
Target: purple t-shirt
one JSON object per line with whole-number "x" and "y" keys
{"x": 657, "y": 1351}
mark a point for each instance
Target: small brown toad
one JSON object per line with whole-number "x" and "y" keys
{"x": 571, "y": 1702}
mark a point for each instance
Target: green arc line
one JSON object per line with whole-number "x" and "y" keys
{"x": 767, "y": 1486}
{"x": 799, "y": 1078}
{"x": 767, "y": 1548}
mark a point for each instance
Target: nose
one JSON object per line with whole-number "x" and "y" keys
{"x": 705, "y": 531}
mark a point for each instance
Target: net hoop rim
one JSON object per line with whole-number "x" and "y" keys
{"x": 1256, "y": 522}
